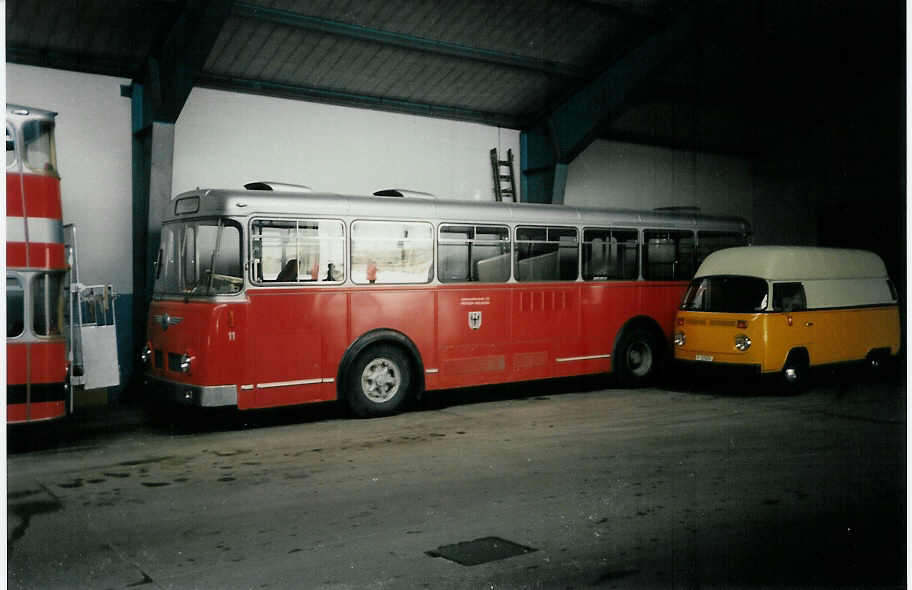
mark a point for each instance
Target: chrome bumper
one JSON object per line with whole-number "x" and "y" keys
{"x": 203, "y": 396}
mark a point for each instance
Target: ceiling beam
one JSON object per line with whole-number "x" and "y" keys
{"x": 351, "y": 99}
{"x": 405, "y": 41}
{"x": 172, "y": 68}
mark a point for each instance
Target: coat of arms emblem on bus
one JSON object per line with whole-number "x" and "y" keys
{"x": 474, "y": 319}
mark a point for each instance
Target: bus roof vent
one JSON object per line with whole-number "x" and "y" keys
{"x": 403, "y": 192}
{"x": 678, "y": 209}
{"x": 279, "y": 187}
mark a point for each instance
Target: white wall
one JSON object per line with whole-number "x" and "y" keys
{"x": 615, "y": 174}
{"x": 94, "y": 160}
{"x": 225, "y": 140}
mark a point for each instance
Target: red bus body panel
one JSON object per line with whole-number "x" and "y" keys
{"x": 36, "y": 371}
{"x": 42, "y": 193}
{"x": 285, "y": 346}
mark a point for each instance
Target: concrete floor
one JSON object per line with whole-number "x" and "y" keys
{"x": 677, "y": 487}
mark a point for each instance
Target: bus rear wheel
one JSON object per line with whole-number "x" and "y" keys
{"x": 380, "y": 382}
{"x": 638, "y": 357}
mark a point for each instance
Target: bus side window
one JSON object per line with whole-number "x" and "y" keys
{"x": 546, "y": 254}
{"x": 473, "y": 253}
{"x": 610, "y": 254}
{"x": 392, "y": 252}
{"x": 789, "y": 297}
{"x": 454, "y": 252}
{"x": 10, "y": 147}
{"x": 296, "y": 251}
{"x": 47, "y": 304}
{"x": 668, "y": 255}
{"x": 38, "y": 152}
{"x": 15, "y": 307}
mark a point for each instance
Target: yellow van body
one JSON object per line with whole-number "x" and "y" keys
{"x": 833, "y": 306}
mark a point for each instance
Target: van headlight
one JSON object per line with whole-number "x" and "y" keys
{"x": 680, "y": 339}
{"x": 742, "y": 342}
{"x": 185, "y": 362}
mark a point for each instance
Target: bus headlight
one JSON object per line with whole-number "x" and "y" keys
{"x": 146, "y": 354}
{"x": 679, "y": 339}
{"x": 742, "y": 342}
{"x": 185, "y": 362}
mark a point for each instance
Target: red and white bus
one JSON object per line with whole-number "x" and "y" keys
{"x": 267, "y": 298}
{"x": 36, "y": 347}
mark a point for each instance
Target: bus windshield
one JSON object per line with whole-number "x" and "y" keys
{"x": 39, "y": 146}
{"x": 199, "y": 257}
{"x": 729, "y": 294}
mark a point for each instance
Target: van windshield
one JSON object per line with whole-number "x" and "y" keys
{"x": 199, "y": 257}
{"x": 729, "y": 294}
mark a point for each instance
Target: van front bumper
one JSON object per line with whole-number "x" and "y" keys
{"x": 718, "y": 367}
{"x": 187, "y": 394}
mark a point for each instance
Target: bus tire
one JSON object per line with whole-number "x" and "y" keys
{"x": 380, "y": 381}
{"x": 638, "y": 357}
{"x": 795, "y": 372}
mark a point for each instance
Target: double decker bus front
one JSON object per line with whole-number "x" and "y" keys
{"x": 193, "y": 354}
{"x": 36, "y": 346}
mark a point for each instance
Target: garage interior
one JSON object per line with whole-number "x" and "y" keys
{"x": 791, "y": 114}
{"x": 788, "y": 114}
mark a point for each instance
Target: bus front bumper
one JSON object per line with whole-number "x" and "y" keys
{"x": 203, "y": 396}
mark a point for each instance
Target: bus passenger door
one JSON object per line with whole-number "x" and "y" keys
{"x": 289, "y": 333}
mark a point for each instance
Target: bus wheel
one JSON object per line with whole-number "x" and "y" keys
{"x": 379, "y": 382}
{"x": 637, "y": 357}
{"x": 877, "y": 361}
{"x": 795, "y": 372}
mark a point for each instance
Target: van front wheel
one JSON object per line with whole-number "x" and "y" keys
{"x": 795, "y": 373}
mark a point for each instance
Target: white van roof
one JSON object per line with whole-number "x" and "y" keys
{"x": 793, "y": 263}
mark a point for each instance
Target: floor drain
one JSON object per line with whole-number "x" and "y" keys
{"x": 480, "y": 551}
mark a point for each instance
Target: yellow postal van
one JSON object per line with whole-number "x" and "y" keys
{"x": 785, "y": 309}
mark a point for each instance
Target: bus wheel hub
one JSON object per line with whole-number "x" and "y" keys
{"x": 380, "y": 380}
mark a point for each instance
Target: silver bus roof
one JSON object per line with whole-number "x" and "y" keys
{"x": 245, "y": 203}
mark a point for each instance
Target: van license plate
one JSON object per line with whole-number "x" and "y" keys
{"x": 704, "y": 357}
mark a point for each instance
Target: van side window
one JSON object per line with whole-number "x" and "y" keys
{"x": 789, "y": 297}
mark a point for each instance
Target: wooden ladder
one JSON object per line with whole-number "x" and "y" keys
{"x": 504, "y": 183}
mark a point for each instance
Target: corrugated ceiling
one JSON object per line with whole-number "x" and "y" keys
{"x": 507, "y": 63}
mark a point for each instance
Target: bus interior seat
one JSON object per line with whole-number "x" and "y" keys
{"x": 289, "y": 272}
